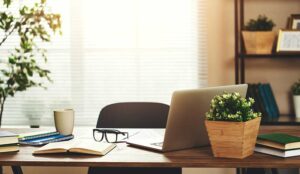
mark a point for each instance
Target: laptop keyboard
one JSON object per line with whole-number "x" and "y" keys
{"x": 160, "y": 144}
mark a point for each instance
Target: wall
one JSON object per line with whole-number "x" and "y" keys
{"x": 220, "y": 42}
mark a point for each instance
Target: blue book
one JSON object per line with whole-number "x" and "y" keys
{"x": 34, "y": 135}
{"x": 259, "y": 101}
{"x": 269, "y": 100}
{"x": 265, "y": 101}
{"x": 45, "y": 140}
{"x": 273, "y": 101}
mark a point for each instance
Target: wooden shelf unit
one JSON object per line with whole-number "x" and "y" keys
{"x": 241, "y": 56}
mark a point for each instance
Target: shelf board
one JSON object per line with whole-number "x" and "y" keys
{"x": 283, "y": 120}
{"x": 273, "y": 55}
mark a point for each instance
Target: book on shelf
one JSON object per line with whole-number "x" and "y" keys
{"x": 279, "y": 141}
{"x": 86, "y": 147}
{"x": 264, "y": 101}
{"x": 251, "y": 93}
{"x": 46, "y": 139}
{"x": 258, "y": 106}
{"x": 272, "y": 100}
{"x": 7, "y": 137}
{"x": 277, "y": 152}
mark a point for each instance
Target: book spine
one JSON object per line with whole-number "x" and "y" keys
{"x": 269, "y": 101}
{"x": 38, "y": 136}
{"x": 259, "y": 100}
{"x": 251, "y": 93}
{"x": 273, "y": 101}
{"x": 264, "y": 101}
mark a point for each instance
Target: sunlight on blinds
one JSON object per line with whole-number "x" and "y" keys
{"x": 116, "y": 51}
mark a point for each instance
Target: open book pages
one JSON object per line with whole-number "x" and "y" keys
{"x": 76, "y": 146}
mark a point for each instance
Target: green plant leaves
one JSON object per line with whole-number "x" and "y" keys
{"x": 6, "y": 3}
{"x": 262, "y": 23}
{"x": 296, "y": 88}
{"x": 32, "y": 24}
{"x": 231, "y": 107}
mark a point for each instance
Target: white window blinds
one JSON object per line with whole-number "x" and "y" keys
{"x": 117, "y": 51}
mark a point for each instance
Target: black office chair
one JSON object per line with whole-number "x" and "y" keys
{"x": 133, "y": 115}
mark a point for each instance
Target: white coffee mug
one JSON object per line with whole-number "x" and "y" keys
{"x": 64, "y": 121}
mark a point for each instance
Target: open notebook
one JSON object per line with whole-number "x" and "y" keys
{"x": 86, "y": 147}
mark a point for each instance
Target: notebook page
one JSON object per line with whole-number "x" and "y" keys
{"x": 92, "y": 145}
{"x": 59, "y": 145}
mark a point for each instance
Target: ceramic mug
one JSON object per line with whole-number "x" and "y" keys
{"x": 64, "y": 121}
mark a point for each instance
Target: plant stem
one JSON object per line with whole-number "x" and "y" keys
{"x": 10, "y": 32}
{"x": 6, "y": 36}
{"x": 1, "y": 110}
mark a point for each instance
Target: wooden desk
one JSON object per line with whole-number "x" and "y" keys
{"x": 124, "y": 156}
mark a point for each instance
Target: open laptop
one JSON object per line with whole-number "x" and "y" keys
{"x": 185, "y": 125}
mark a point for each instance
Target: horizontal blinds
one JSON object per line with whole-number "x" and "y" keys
{"x": 116, "y": 51}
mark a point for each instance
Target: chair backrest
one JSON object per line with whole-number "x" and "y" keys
{"x": 133, "y": 115}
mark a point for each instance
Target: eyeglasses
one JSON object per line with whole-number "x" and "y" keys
{"x": 110, "y": 135}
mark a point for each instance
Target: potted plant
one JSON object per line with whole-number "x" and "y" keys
{"x": 258, "y": 35}
{"x": 232, "y": 125}
{"x": 296, "y": 97}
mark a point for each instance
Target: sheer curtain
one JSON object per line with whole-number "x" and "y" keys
{"x": 116, "y": 51}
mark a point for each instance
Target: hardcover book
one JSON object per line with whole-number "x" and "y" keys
{"x": 261, "y": 105}
{"x": 86, "y": 147}
{"x": 279, "y": 140}
{"x": 272, "y": 100}
{"x": 277, "y": 152}
{"x": 264, "y": 100}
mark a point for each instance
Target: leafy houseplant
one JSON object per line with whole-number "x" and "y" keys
{"x": 296, "y": 97}
{"x": 22, "y": 69}
{"x": 262, "y": 23}
{"x": 258, "y": 35}
{"x": 232, "y": 125}
{"x": 231, "y": 107}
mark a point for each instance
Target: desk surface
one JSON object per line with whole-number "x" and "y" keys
{"x": 124, "y": 155}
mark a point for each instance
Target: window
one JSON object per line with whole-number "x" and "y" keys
{"x": 116, "y": 51}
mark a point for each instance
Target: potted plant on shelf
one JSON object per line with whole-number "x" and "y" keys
{"x": 232, "y": 125}
{"x": 258, "y": 35}
{"x": 296, "y": 97}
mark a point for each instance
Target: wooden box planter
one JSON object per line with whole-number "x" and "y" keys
{"x": 232, "y": 139}
{"x": 259, "y": 42}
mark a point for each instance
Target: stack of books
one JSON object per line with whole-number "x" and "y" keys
{"x": 8, "y": 142}
{"x": 42, "y": 138}
{"x": 278, "y": 144}
{"x": 264, "y": 101}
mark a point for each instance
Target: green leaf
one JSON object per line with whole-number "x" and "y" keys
{"x": 33, "y": 23}
{"x": 7, "y": 3}
{"x": 12, "y": 60}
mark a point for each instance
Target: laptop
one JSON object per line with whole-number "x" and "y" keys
{"x": 185, "y": 125}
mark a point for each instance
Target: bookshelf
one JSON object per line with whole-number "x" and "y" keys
{"x": 241, "y": 58}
